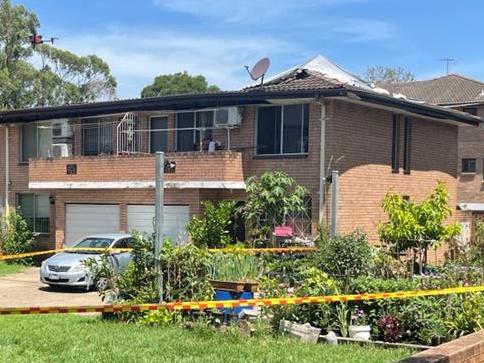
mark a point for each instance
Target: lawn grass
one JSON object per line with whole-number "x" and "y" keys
{"x": 69, "y": 338}
{"x": 9, "y": 269}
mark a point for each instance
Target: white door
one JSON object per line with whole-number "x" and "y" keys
{"x": 176, "y": 218}
{"x": 88, "y": 219}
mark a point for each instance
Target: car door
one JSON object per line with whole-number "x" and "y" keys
{"x": 121, "y": 259}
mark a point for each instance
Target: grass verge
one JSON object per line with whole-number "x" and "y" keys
{"x": 68, "y": 338}
{"x": 9, "y": 269}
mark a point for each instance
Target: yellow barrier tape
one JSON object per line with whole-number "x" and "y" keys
{"x": 287, "y": 250}
{"x": 202, "y": 305}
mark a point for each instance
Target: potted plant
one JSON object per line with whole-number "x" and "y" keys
{"x": 235, "y": 272}
{"x": 359, "y": 327}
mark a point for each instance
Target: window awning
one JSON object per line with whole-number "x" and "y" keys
{"x": 471, "y": 207}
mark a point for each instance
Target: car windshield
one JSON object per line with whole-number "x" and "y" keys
{"x": 94, "y": 242}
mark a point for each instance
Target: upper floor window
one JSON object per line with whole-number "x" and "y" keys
{"x": 282, "y": 129}
{"x": 193, "y": 128}
{"x": 35, "y": 140}
{"x": 35, "y": 210}
{"x": 158, "y": 137}
{"x": 97, "y": 136}
{"x": 469, "y": 165}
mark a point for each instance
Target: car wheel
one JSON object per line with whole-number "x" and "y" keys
{"x": 102, "y": 284}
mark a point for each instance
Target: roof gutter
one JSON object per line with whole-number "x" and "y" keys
{"x": 420, "y": 109}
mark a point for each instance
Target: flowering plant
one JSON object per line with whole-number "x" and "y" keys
{"x": 358, "y": 317}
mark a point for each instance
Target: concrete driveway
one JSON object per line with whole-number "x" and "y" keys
{"x": 25, "y": 289}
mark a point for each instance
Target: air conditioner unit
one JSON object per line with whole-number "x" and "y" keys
{"x": 227, "y": 116}
{"x": 61, "y": 150}
{"x": 61, "y": 129}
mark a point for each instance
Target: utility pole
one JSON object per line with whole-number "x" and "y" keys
{"x": 159, "y": 191}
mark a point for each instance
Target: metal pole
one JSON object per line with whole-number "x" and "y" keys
{"x": 159, "y": 189}
{"x": 7, "y": 171}
{"x": 334, "y": 202}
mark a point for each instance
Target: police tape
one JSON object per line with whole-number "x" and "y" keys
{"x": 285, "y": 250}
{"x": 207, "y": 305}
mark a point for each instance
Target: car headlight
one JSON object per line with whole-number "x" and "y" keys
{"x": 79, "y": 268}
{"x": 43, "y": 264}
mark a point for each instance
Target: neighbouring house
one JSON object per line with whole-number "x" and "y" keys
{"x": 464, "y": 94}
{"x": 89, "y": 168}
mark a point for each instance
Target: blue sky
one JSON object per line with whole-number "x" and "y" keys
{"x": 144, "y": 38}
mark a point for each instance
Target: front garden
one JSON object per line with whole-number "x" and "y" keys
{"x": 344, "y": 264}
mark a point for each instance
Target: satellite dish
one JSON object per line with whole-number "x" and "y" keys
{"x": 259, "y": 70}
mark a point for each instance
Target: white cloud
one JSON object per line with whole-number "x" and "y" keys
{"x": 138, "y": 56}
{"x": 250, "y": 11}
{"x": 363, "y": 30}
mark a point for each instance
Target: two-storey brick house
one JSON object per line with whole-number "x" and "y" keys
{"x": 461, "y": 93}
{"x": 89, "y": 168}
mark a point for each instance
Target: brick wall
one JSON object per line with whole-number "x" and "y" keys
{"x": 195, "y": 166}
{"x": 468, "y": 349}
{"x": 471, "y": 145}
{"x": 360, "y": 147}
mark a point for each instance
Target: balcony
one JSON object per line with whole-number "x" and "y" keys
{"x": 200, "y": 170}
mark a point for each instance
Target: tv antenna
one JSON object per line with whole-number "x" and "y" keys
{"x": 448, "y": 61}
{"x": 259, "y": 70}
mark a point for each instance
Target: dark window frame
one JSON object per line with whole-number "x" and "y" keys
{"x": 396, "y": 144}
{"x": 304, "y": 132}
{"x": 465, "y": 167}
{"x": 100, "y": 143}
{"x": 407, "y": 146}
{"x": 33, "y": 225}
{"x": 165, "y": 117}
{"x": 196, "y": 129}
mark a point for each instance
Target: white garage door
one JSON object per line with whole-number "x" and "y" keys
{"x": 87, "y": 219}
{"x": 176, "y": 217}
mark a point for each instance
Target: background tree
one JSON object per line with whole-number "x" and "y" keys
{"x": 62, "y": 77}
{"x": 387, "y": 75}
{"x": 177, "y": 83}
{"x": 417, "y": 226}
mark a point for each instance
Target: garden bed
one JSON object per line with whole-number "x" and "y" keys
{"x": 64, "y": 338}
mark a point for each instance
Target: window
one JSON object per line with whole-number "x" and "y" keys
{"x": 158, "y": 139}
{"x": 192, "y": 124}
{"x": 468, "y": 165}
{"x": 407, "y": 145}
{"x": 36, "y": 140}
{"x": 396, "y": 144}
{"x": 282, "y": 129}
{"x": 97, "y": 137}
{"x": 36, "y": 211}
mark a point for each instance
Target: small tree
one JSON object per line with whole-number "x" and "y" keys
{"x": 15, "y": 235}
{"x": 416, "y": 226}
{"x": 211, "y": 229}
{"x": 387, "y": 75}
{"x": 270, "y": 199}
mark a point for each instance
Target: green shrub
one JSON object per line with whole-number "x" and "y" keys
{"x": 344, "y": 256}
{"x": 185, "y": 273}
{"x": 235, "y": 267}
{"x": 477, "y": 245}
{"x": 211, "y": 230}
{"x": 15, "y": 235}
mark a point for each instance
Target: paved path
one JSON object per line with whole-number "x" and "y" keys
{"x": 25, "y": 289}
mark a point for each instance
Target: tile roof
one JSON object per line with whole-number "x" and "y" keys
{"x": 298, "y": 80}
{"x": 452, "y": 89}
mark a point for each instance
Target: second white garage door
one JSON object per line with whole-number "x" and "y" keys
{"x": 176, "y": 218}
{"x": 88, "y": 219}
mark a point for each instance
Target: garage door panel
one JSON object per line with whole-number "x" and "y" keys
{"x": 176, "y": 217}
{"x": 89, "y": 219}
